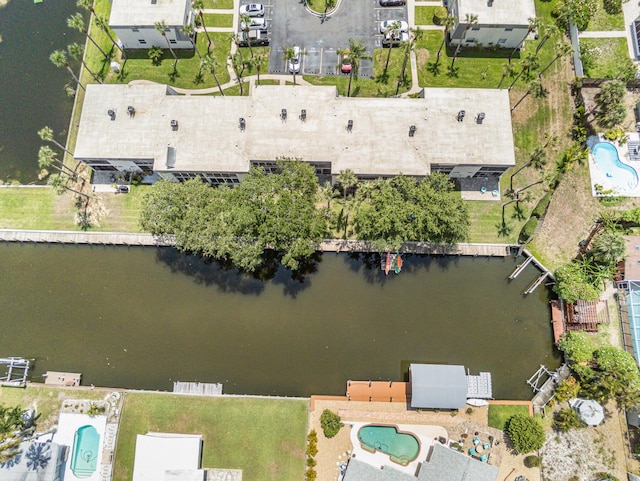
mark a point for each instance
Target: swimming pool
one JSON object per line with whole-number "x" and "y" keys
{"x": 620, "y": 176}
{"x": 84, "y": 458}
{"x": 402, "y": 448}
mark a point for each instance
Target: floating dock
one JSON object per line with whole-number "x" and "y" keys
{"x": 57, "y": 378}
{"x": 197, "y": 388}
{"x": 479, "y": 387}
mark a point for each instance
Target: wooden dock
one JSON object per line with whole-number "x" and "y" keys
{"x": 557, "y": 318}
{"x": 545, "y": 393}
{"x": 56, "y": 378}
{"x": 79, "y": 237}
{"x": 197, "y": 388}
{"x": 378, "y": 391}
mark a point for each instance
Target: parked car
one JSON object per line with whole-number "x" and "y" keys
{"x": 345, "y": 63}
{"x": 257, "y": 37}
{"x": 392, "y": 3}
{"x": 402, "y": 25}
{"x": 294, "y": 63}
{"x": 253, "y": 10}
{"x": 389, "y": 38}
{"x": 257, "y": 23}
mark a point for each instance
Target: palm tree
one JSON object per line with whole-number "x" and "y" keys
{"x": 562, "y": 48}
{"x": 47, "y": 158}
{"x": 507, "y": 71}
{"x": 245, "y": 22}
{"x": 258, "y": 59}
{"x": 59, "y": 59}
{"x": 59, "y": 184}
{"x": 199, "y": 6}
{"x": 190, "y": 31}
{"x": 448, "y": 23}
{"x": 356, "y": 53}
{"x": 46, "y": 134}
{"x": 535, "y": 88}
{"x": 534, "y": 24}
{"x": 237, "y": 63}
{"x": 289, "y": 54}
{"x": 549, "y": 31}
{"x": 100, "y": 22}
{"x": 470, "y": 19}
{"x": 77, "y": 52}
{"x": 347, "y": 179}
{"x": 538, "y": 159}
{"x": 209, "y": 63}
{"x": 162, "y": 28}
{"x": 77, "y": 22}
{"x": 528, "y": 62}
{"x": 415, "y": 34}
{"x": 609, "y": 248}
{"x": 391, "y": 33}
{"x": 328, "y": 193}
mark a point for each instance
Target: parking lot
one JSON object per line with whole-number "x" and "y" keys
{"x": 319, "y": 39}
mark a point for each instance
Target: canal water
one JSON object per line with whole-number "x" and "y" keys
{"x": 143, "y": 317}
{"x": 31, "y": 88}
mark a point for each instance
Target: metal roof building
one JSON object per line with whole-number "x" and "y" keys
{"x": 438, "y": 386}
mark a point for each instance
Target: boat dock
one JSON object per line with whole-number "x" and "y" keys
{"x": 378, "y": 391}
{"x": 197, "y": 388}
{"x": 530, "y": 259}
{"x": 557, "y": 318}
{"x": 479, "y": 387}
{"x": 544, "y": 391}
{"x": 16, "y": 373}
{"x": 56, "y": 378}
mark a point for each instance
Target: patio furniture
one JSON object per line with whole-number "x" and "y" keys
{"x": 486, "y": 446}
{"x": 472, "y": 452}
{"x": 476, "y": 441}
{"x": 484, "y": 458}
{"x": 483, "y": 189}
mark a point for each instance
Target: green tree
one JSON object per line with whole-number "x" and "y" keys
{"x": 162, "y": 28}
{"x": 209, "y": 63}
{"x": 238, "y": 65}
{"x": 288, "y": 55}
{"x": 76, "y": 22}
{"x": 567, "y": 419}
{"x": 609, "y": 248}
{"x": 415, "y": 34}
{"x": 47, "y": 158}
{"x": 534, "y": 88}
{"x": 507, "y": 71}
{"x": 190, "y": 31}
{"x": 245, "y": 22}
{"x": 609, "y": 100}
{"x": 529, "y": 62}
{"x": 59, "y": 59}
{"x": 567, "y": 389}
{"x": 526, "y": 433}
{"x": 155, "y": 55}
{"x": 355, "y": 55}
{"x": 534, "y": 24}
{"x": 573, "y": 283}
{"x": 448, "y": 23}
{"x": 198, "y": 5}
{"x": 577, "y": 346}
{"x": 470, "y": 20}
{"x": 563, "y": 48}
{"x": 613, "y": 7}
{"x": 347, "y": 180}
{"x": 60, "y": 184}
{"x": 331, "y": 423}
{"x": 77, "y": 52}
{"x": 391, "y": 33}
{"x": 46, "y": 134}
{"x": 101, "y": 22}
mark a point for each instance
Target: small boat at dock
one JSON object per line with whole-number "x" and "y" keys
{"x": 397, "y": 264}
{"x": 387, "y": 265}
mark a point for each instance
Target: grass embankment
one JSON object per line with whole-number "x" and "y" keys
{"x": 603, "y": 21}
{"x": 424, "y": 15}
{"x": 602, "y": 57}
{"x": 264, "y": 438}
{"x": 500, "y": 413}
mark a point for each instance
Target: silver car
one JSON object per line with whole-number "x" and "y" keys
{"x": 294, "y": 63}
{"x": 253, "y": 10}
{"x": 386, "y": 24}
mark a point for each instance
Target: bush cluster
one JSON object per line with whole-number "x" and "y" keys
{"x": 567, "y": 389}
{"x": 439, "y": 15}
{"x": 567, "y": 419}
{"x": 330, "y": 422}
{"x": 532, "y": 461}
{"x": 312, "y": 449}
{"x": 541, "y": 208}
{"x": 527, "y": 230}
{"x": 526, "y": 433}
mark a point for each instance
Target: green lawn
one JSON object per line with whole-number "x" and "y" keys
{"x": 603, "y": 21}
{"x": 34, "y": 208}
{"x": 218, "y": 20}
{"x": 264, "y": 438}
{"x": 225, "y": 4}
{"x": 123, "y": 210}
{"x": 603, "y": 57}
{"x": 382, "y": 85}
{"x": 499, "y": 413}
{"x": 424, "y": 15}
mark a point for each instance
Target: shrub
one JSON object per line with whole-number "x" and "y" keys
{"x": 469, "y": 410}
{"x": 311, "y": 462}
{"x": 606, "y": 476}
{"x": 567, "y": 419}
{"x": 567, "y": 389}
{"x": 577, "y": 346}
{"x": 439, "y": 15}
{"x": 527, "y": 230}
{"x": 312, "y": 449}
{"x": 310, "y": 474}
{"x": 532, "y": 461}
{"x": 330, "y": 423}
{"x": 541, "y": 209}
{"x": 612, "y": 7}
{"x": 312, "y": 437}
{"x": 526, "y": 433}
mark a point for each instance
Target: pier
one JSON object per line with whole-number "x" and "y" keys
{"x": 197, "y": 388}
{"x": 16, "y": 373}
{"x": 378, "y": 391}
{"x": 530, "y": 259}
{"x": 544, "y": 391}
{"x": 57, "y": 378}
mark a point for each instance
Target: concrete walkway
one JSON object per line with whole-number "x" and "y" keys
{"x": 604, "y": 34}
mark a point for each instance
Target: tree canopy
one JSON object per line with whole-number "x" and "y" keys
{"x": 275, "y": 211}
{"x": 577, "y": 346}
{"x": 14, "y": 425}
{"x": 573, "y": 283}
{"x": 403, "y": 209}
{"x": 526, "y": 433}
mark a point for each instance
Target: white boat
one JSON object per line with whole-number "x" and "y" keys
{"x": 477, "y": 402}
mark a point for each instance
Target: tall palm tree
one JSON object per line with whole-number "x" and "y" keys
{"x": 507, "y": 71}
{"x": 237, "y": 63}
{"x": 549, "y": 31}
{"x": 562, "y": 48}
{"x": 356, "y": 53}
{"x": 415, "y": 34}
{"x": 289, "y": 54}
{"x": 257, "y": 61}
{"x": 59, "y": 184}
{"x": 46, "y": 134}
{"x": 327, "y": 192}
{"x": 534, "y": 88}
{"x": 534, "y": 24}
{"x": 59, "y": 59}
{"x": 347, "y": 179}
{"x": 76, "y": 22}
{"x": 529, "y": 61}
{"x": 391, "y": 32}
{"x": 245, "y": 22}
{"x": 538, "y": 159}
{"x": 47, "y": 158}
{"x": 100, "y": 21}
{"x": 470, "y": 19}
{"x": 209, "y": 63}
{"x": 190, "y": 31}
{"x": 199, "y": 6}
{"x": 448, "y": 23}
{"x": 77, "y": 52}
{"x": 161, "y": 27}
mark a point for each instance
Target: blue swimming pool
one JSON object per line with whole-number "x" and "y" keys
{"x": 86, "y": 445}
{"x": 621, "y": 177}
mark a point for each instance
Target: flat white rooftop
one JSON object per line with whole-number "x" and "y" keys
{"x": 208, "y": 138}
{"x": 498, "y": 12}
{"x": 147, "y": 12}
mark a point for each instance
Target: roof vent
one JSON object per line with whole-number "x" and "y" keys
{"x": 350, "y": 126}
{"x": 480, "y": 117}
{"x": 461, "y": 115}
{"x": 303, "y": 115}
{"x": 243, "y": 124}
{"x": 132, "y": 111}
{"x": 283, "y": 115}
{"x": 174, "y": 125}
{"x": 412, "y": 130}
{"x": 112, "y": 114}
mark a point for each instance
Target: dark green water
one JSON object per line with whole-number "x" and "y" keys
{"x": 135, "y": 317}
{"x": 31, "y": 87}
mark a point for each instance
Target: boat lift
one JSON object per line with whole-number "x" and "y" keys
{"x": 16, "y": 373}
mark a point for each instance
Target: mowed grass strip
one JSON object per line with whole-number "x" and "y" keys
{"x": 500, "y": 413}
{"x": 218, "y": 20}
{"x": 218, "y": 4}
{"x": 424, "y": 15}
{"x": 263, "y": 437}
{"x": 34, "y": 208}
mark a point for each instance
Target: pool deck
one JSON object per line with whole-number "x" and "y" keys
{"x": 625, "y": 156}
{"x": 68, "y": 424}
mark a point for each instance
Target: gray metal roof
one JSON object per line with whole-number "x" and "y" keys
{"x": 447, "y": 464}
{"x": 360, "y": 471}
{"x": 438, "y": 386}
{"x": 147, "y": 13}
{"x": 511, "y": 12}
